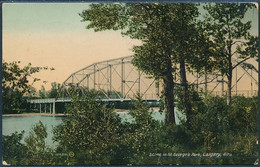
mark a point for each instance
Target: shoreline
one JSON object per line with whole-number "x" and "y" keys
{"x": 32, "y": 114}
{"x": 59, "y": 114}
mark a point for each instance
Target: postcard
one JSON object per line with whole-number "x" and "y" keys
{"x": 125, "y": 83}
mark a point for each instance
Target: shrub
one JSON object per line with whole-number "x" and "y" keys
{"x": 242, "y": 115}
{"x": 13, "y": 150}
{"x": 37, "y": 153}
{"x": 90, "y": 133}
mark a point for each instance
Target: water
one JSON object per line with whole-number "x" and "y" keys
{"x": 20, "y": 123}
{"x": 156, "y": 115}
{"x": 128, "y": 118}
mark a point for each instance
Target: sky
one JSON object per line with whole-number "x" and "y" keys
{"x": 52, "y": 34}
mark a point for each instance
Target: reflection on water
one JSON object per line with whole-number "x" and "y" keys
{"x": 20, "y": 123}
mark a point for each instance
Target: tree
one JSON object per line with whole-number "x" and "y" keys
{"x": 142, "y": 133}
{"x": 91, "y": 132}
{"x": 165, "y": 30}
{"x": 13, "y": 150}
{"x": 53, "y": 93}
{"x": 17, "y": 82}
{"x": 55, "y": 88}
{"x": 37, "y": 153}
{"x": 43, "y": 93}
{"x": 231, "y": 37}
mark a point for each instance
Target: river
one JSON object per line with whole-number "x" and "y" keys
{"x": 25, "y": 123}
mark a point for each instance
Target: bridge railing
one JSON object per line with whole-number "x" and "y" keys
{"x": 246, "y": 93}
{"x": 47, "y": 100}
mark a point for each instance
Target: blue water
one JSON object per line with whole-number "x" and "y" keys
{"x": 156, "y": 115}
{"x": 25, "y": 123}
{"x": 128, "y": 118}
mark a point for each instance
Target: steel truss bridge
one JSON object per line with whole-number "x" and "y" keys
{"x": 114, "y": 79}
{"x": 118, "y": 80}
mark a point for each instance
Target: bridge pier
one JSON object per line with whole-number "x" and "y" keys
{"x": 40, "y": 108}
{"x": 45, "y": 107}
{"x": 50, "y": 108}
{"x": 53, "y": 108}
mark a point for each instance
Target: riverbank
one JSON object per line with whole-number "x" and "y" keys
{"x": 62, "y": 114}
{"x": 32, "y": 114}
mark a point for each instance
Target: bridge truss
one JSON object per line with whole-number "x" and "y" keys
{"x": 119, "y": 79}
{"x": 114, "y": 79}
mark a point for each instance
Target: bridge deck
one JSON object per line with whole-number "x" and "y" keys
{"x": 63, "y": 100}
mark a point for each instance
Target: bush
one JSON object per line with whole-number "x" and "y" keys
{"x": 242, "y": 115}
{"x": 93, "y": 134}
{"x": 37, "y": 153}
{"x": 90, "y": 133}
{"x": 33, "y": 152}
{"x": 211, "y": 124}
{"x": 13, "y": 150}
{"x": 142, "y": 134}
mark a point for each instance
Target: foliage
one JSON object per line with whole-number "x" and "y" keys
{"x": 243, "y": 114}
{"x": 82, "y": 91}
{"x": 43, "y": 93}
{"x": 37, "y": 152}
{"x": 53, "y": 93}
{"x": 143, "y": 132}
{"x": 94, "y": 135}
{"x": 90, "y": 132}
{"x": 168, "y": 33}
{"x": 16, "y": 83}
{"x": 194, "y": 96}
{"x": 230, "y": 35}
{"x": 13, "y": 150}
{"x": 13, "y": 101}
{"x": 218, "y": 127}
{"x": 211, "y": 123}
{"x": 36, "y": 139}
{"x": 33, "y": 152}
